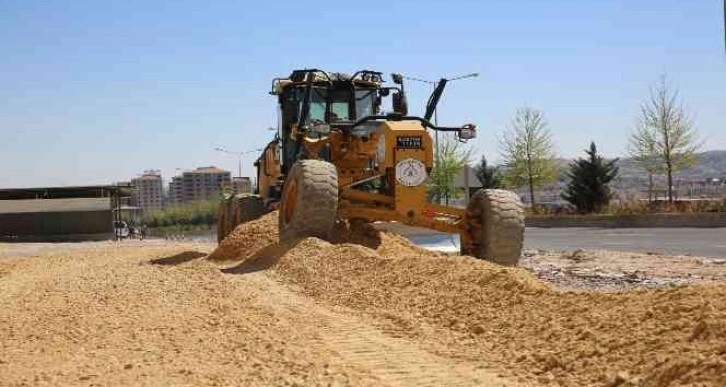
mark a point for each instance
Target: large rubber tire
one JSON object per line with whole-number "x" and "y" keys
{"x": 495, "y": 225}
{"x": 309, "y": 203}
{"x": 222, "y": 220}
{"x": 236, "y": 210}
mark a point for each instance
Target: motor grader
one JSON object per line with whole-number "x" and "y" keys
{"x": 337, "y": 157}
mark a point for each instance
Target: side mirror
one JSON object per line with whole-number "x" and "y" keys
{"x": 400, "y": 105}
{"x": 397, "y": 78}
{"x": 467, "y": 132}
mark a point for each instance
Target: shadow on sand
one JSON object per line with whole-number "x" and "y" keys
{"x": 178, "y": 259}
{"x": 263, "y": 259}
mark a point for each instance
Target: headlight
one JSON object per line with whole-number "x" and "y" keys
{"x": 467, "y": 132}
{"x": 320, "y": 128}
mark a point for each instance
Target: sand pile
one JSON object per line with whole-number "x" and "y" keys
{"x": 150, "y": 316}
{"x": 247, "y": 238}
{"x": 666, "y": 337}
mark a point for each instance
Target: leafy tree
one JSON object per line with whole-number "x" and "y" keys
{"x": 489, "y": 176}
{"x": 450, "y": 158}
{"x": 527, "y": 149}
{"x": 588, "y": 189}
{"x": 665, "y": 138}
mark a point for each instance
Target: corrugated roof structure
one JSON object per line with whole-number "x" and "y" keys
{"x": 54, "y": 205}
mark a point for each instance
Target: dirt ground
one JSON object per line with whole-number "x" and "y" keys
{"x": 618, "y": 271}
{"x": 370, "y": 309}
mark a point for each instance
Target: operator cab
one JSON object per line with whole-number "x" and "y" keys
{"x": 314, "y": 102}
{"x": 335, "y": 98}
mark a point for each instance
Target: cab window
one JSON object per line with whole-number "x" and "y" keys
{"x": 339, "y": 110}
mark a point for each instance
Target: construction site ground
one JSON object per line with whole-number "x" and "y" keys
{"x": 370, "y": 309}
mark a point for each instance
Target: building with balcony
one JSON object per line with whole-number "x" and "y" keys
{"x": 202, "y": 183}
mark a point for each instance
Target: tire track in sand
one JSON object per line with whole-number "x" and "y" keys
{"x": 353, "y": 342}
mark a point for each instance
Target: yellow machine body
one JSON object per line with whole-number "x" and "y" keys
{"x": 331, "y": 132}
{"x": 386, "y": 153}
{"x": 395, "y": 149}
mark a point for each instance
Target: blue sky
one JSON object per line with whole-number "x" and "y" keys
{"x": 97, "y": 91}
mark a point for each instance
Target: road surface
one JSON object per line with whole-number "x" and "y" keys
{"x": 705, "y": 242}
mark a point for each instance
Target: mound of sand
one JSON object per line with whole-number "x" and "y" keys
{"x": 247, "y": 238}
{"x": 665, "y": 337}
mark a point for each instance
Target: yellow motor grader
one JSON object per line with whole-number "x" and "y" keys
{"x": 337, "y": 157}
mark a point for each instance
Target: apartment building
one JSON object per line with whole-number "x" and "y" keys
{"x": 200, "y": 184}
{"x": 148, "y": 193}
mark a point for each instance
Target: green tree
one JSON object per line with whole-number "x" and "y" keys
{"x": 665, "y": 139}
{"x": 451, "y": 157}
{"x": 588, "y": 188}
{"x": 203, "y": 212}
{"x": 528, "y": 151}
{"x": 489, "y": 176}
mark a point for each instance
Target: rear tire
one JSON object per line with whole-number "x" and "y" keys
{"x": 495, "y": 226}
{"x": 309, "y": 204}
{"x": 222, "y": 220}
{"x": 236, "y": 210}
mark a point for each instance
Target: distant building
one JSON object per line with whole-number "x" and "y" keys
{"x": 175, "y": 189}
{"x": 148, "y": 193}
{"x": 200, "y": 184}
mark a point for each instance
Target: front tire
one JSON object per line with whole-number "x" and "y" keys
{"x": 309, "y": 203}
{"x": 495, "y": 226}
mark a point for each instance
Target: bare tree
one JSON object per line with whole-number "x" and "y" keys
{"x": 528, "y": 152}
{"x": 643, "y": 151}
{"x": 665, "y": 139}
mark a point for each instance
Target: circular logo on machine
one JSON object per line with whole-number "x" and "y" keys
{"x": 410, "y": 172}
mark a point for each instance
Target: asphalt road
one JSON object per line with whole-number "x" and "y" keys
{"x": 705, "y": 242}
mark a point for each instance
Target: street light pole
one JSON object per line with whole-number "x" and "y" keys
{"x": 239, "y": 157}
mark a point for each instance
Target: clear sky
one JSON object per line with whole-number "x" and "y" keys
{"x": 95, "y": 92}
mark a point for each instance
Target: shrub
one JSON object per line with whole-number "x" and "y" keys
{"x": 192, "y": 214}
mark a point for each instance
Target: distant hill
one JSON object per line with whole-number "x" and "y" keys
{"x": 709, "y": 165}
{"x": 633, "y": 181}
